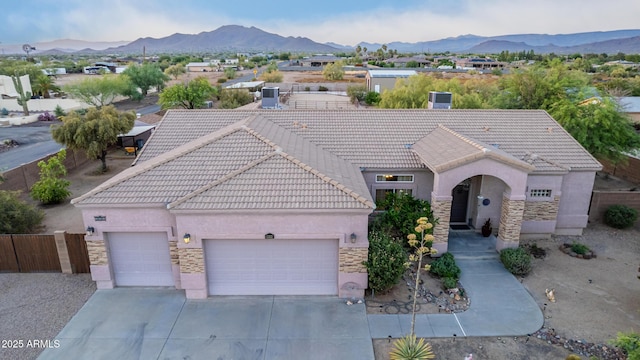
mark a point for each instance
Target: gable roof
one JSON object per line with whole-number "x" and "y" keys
{"x": 186, "y": 176}
{"x": 383, "y": 138}
{"x": 443, "y": 149}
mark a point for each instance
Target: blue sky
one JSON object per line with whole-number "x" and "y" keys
{"x": 344, "y": 22}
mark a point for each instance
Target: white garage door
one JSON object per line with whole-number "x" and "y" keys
{"x": 140, "y": 259}
{"x": 272, "y": 267}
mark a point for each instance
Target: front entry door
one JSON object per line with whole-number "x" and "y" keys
{"x": 459, "y": 204}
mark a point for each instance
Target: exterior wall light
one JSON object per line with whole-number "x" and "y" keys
{"x": 90, "y": 230}
{"x": 186, "y": 238}
{"x": 353, "y": 238}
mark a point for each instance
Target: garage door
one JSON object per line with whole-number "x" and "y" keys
{"x": 140, "y": 259}
{"x": 272, "y": 267}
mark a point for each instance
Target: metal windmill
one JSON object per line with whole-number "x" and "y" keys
{"x": 28, "y": 48}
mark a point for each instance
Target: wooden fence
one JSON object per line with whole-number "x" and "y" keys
{"x": 44, "y": 253}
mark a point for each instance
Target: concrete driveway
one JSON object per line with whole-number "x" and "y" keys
{"x": 161, "y": 324}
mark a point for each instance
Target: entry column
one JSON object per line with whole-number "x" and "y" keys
{"x": 510, "y": 221}
{"x": 441, "y": 208}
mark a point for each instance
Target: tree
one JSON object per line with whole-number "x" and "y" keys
{"x": 175, "y": 70}
{"x": 23, "y": 96}
{"x": 42, "y": 85}
{"x": 333, "y": 71}
{"x": 98, "y": 91}
{"x": 191, "y": 95}
{"x": 52, "y": 188}
{"x": 16, "y": 216}
{"x": 230, "y": 73}
{"x": 599, "y": 127}
{"x": 93, "y": 132}
{"x": 143, "y": 78}
{"x": 356, "y": 93}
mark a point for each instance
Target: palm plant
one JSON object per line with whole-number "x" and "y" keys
{"x": 411, "y": 348}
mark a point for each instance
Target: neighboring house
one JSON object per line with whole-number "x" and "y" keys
{"x": 237, "y": 202}
{"x": 631, "y": 106}
{"x": 203, "y": 66}
{"x": 319, "y": 60}
{"x": 479, "y": 64}
{"x": 379, "y": 80}
{"x": 403, "y": 61}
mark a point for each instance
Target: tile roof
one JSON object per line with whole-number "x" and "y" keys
{"x": 382, "y": 138}
{"x": 443, "y": 149}
{"x": 238, "y": 157}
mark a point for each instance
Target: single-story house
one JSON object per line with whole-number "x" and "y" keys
{"x": 379, "y": 80}
{"x": 479, "y": 64}
{"x": 319, "y": 60}
{"x": 249, "y": 202}
{"x": 403, "y": 61}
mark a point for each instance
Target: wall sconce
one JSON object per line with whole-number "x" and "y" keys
{"x": 90, "y": 230}
{"x": 353, "y": 238}
{"x": 186, "y": 238}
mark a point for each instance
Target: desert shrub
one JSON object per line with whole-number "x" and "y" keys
{"x": 579, "y": 249}
{"x": 385, "y": 263}
{"x": 445, "y": 267}
{"x": 323, "y": 88}
{"x": 222, "y": 80}
{"x": 4, "y": 112}
{"x": 357, "y": 93}
{"x": 52, "y": 188}
{"x": 630, "y": 343}
{"x": 400, "y": 215}
{"x": 59, "y": 111}
{"x": 573, "y": 357}
{"x": 272, "y": 77}
{"x": 620, "y": 216}
{"x": 516, "y": 260}
{"x": 47, "y": 116}
{"x": 449, "y": 282}
{"x": 16, "y": 216}
{"x": 411, "y": 348}
{"x": 307, "y": 88}
{"x": 232, "y": 98}
{"x": 372, "y": 98}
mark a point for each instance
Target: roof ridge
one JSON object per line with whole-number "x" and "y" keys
{"x": 163, "y": 159}
{"x": 220, "y": 180}
{"x": 327, "y": 179}
{"x": 464, "y": 138}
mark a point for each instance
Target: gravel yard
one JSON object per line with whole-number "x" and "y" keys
{"x": 36, "y": 307}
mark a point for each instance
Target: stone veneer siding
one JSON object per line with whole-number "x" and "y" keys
{"x": 97, "y": 251}
{"x": 511, "y": 219}
{"x": 541, "y": 210}
{"x": 351, "y": 260}
{"x": 191, "y": 260}
{"x": 442, "y": 212}
{"x": 173, "y": 252}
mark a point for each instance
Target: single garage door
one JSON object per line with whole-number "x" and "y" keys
{"x": 140, "y": 259}
{"x": 272, "y": 267}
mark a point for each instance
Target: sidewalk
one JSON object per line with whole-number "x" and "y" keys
{"x": 500, "y": 305}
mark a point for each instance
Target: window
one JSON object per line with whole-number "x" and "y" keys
{"x": 539, "y": 193}
{"x": 381, "y": 194}
{"x": 394, "y": 177}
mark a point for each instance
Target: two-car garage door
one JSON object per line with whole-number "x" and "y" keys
{"x": 272, "y": 267}
{"x": 140, "y": 259}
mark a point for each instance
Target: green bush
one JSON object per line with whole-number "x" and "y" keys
{"x": 357, "y": 93}
{"x": 52, "y": 188}
{"x": 579, "y": 249}
{"x": 372, "y": 98}
{"x": 400, "y": 215}
{"x": 620, "y": 216}
{"x": 323, "y": 88}
{"x": 445, "y": 267}
{"x": 630, "y": 343}
{"x": 516, "y": 260}
{"x": 234, "y": 98}
{"x": 222, "y": 80}
{"x": 59, "y": 111}
{"x": 449, "y": 283}
{"x": 385, "y": 263}
{"x": 16, "y": 216}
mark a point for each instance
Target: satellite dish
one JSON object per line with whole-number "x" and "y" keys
{"x": 27, "y": 48}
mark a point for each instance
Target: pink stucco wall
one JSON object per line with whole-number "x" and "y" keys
{"x": 573, "y": 213}
{"x": 421, "y": 186}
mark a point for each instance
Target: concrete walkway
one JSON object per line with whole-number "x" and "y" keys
{"x": 500, "y": 305}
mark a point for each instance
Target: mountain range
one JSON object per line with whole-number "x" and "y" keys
{"x": 235, "y": 38}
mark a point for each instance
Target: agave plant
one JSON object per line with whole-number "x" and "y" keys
{"x": 411, "y": 348}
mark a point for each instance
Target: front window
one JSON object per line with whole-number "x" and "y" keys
{"x": 394, "y": 178}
